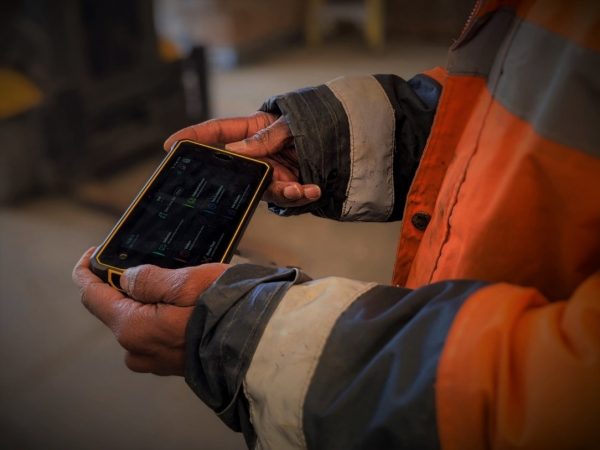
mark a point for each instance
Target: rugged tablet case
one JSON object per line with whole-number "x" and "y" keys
{"x": 111, "y": 274}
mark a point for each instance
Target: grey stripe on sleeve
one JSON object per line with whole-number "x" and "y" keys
{"x": 370, "y": 191}
{"x": 552, "y": 83}
{"x": 374, "y": 385}
{"x": 360, "y": 139}
{"x": 542, "y": 77}
{"x": 222, "y": 334}
{"x": 287, "y": 355}
{"x": 475, "y": 53}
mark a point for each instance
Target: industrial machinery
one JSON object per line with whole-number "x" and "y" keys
{"x": 84, "y": 86}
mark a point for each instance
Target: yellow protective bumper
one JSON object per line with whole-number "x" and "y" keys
{"x": 17, "y": 93}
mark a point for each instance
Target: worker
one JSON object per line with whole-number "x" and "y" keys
{"x": 488, "y": 335}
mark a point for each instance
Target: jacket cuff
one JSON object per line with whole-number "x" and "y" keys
{"x": 360, "y": 139}
{"x": 321, "y": 137}
{"x": 223, "y": 332}
{"x": 348, "y": 364}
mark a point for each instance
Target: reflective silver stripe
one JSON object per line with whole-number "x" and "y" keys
{"x": 539, "y": 76}
{"x": 553, "y": 84}
{"x": 371, "y": 121}
{"x": 287, "y": 355}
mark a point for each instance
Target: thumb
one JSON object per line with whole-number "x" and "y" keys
{"x": 265, "y": 142}
{"x": 180, "y": 287}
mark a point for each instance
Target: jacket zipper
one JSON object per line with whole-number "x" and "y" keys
{"x": 468, "y": 24}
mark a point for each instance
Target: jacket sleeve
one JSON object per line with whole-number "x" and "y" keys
{"x": 342, "y": 364}
{"x": 360, "y": 139}
{"x": 523, "y": 372}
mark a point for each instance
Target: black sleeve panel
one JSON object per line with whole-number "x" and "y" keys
{"x": 223, "y": 332}
{"x": 321, "y": 130}
{"x": 374, "y": 387}
{"x": 414, "y": 104}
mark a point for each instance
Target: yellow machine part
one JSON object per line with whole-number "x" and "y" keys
{"x": 17, "y": 93}
{"x": 167, "y": 50}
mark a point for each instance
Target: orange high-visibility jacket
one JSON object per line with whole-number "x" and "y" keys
{"x": 511, "y": 178}
{"x": 490, "y": 334}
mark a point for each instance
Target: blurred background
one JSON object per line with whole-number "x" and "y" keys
{"x": 89, "y": 90}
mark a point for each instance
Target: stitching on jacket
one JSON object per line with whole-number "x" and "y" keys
{"x": 460, "y": 184}
{"x": 407, "y": 233}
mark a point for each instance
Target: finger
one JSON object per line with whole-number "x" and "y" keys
{"x": 168, "y": 363}
{"x": 107, "y": 304}
{"x": 139, "y": 362}
{"x": 104, "y": 302}
{"x": 155, "y": 333}
{"x": 81, "y": 273}
{"x": 181, "y": 287}
{"x": 217, "y": 131}
{"x": 154, "y": 330}
{"x": 152, "y": 284}
{"x": 92, "y": 286}
{"x": 291, "y": 194}
{"x": 266, "y": 141}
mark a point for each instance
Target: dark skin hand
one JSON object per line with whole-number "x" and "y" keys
{"x": 150, "y": 319}
{"x": 263, "y": 136}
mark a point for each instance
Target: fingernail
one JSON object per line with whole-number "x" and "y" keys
{"x": 292, "y": 192}
{"x": 236, "y": 146}
{"x": 169, "y": 142}
{"x": 126, "y": 277}
{"x": 312, "y": 191}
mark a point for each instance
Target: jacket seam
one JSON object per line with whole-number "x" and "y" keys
{"x": 470, "y": 160}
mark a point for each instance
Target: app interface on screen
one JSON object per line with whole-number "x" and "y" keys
{"x": 190, "y": 214}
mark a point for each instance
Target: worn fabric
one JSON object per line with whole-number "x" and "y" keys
{"x": 287, "y": 361}
{"x": 524, "y": 371}
{"x": 223, "y": 333}
{"x": 360, "y": 139}
{"x": 503, "y": 188}
{"x": 511, "y": 169}
{"x": 281, "y": 371}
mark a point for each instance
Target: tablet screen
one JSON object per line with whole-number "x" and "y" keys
{"x": 190, "y": 214}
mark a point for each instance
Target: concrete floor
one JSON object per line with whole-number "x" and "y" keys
{"x": 63, "y": 384}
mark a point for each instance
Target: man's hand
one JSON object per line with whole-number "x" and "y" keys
{"x": 260, "y": 135}
{"x": 150, "y": 321}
